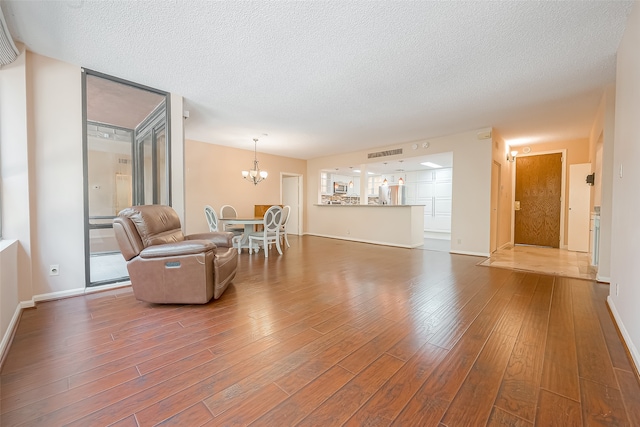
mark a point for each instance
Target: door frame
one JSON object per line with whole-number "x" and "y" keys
{"x": 563, "y": 199}
{"x": 496, "y": 168}
{"x": 300, "y": 197}
{"x": 85, "y": 155}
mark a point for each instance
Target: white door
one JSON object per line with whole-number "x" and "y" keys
{"x": 291, "y": 197}
{"x": 579, "y": 216}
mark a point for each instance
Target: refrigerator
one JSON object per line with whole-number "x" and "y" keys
{"x": 392, "y": 195}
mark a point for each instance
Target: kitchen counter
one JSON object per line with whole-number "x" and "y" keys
{"x": 391, "y": 225}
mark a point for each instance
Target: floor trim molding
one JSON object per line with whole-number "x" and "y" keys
{"x": 626, "y": 338}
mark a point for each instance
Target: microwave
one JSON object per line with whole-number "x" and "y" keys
{"x": 340, "y": 188}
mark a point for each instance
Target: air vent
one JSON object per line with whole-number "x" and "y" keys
{"x": 8, "y": 50}
{"x": 385, "y": 153}
{"x": 124, "y": 161}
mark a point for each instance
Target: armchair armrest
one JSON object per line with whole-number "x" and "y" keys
{"x": 218, "y": 238}
{"x": 186, "y": 247}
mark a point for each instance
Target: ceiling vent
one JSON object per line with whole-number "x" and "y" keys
{"x": 8, "y": 50}
{"x": 385, "y": 153}
{"x": 484, "y": 135}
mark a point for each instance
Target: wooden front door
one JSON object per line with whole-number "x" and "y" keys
{"x": 538, "y": 191}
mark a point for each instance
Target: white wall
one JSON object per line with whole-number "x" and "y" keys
{"x": 15, "y": 250}
{"x": 177, "y": 157}
{"x": 604, "y": 124}
{"x": 14, "y": 167}
{"x": 624, "y": 296}
{"x": 55, "y": 124}
{"x": 43, "y": 175}
{"x": 471, "y": 204}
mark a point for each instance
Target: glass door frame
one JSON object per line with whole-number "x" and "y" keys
{"x": 155, "y": 123}
{"x": 85, "y": 156}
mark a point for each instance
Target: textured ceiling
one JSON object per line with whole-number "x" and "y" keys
{"x": 330, "y": 77}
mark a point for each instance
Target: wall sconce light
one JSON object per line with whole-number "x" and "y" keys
{"x": 512, "y": 158}
{"x": 350, "y": 184}
{"x": 400, "y": 181}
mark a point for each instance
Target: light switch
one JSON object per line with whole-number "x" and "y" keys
{"x": 517, "y": 205}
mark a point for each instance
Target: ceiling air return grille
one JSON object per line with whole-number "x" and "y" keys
{"x": 385, "y": 153}
{"x": 8, "y": 50}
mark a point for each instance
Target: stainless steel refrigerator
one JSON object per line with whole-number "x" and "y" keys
{"x": 392, "y": 195}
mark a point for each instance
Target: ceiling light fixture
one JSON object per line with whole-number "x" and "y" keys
{"x": 255, "y": 175}
{"x": 430, "y": 165}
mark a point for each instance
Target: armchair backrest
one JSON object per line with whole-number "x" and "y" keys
{"x": 139, "y": 227}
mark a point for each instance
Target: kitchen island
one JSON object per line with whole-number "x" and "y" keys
{"x": 391, "y": 225}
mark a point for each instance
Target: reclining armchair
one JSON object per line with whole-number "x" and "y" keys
{"x": 164, "y": 265}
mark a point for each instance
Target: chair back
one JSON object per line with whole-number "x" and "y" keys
{"x": 228, "y": 211}
{"x": 139, "y": 227}
{"x": 212, "y": 218}
{"x": 285, "y": 215}
{"x": 272, "y": 219}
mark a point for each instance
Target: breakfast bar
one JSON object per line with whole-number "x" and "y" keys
{"x": 391, "y": 225}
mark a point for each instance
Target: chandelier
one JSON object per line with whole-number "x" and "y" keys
{"x": 255, "y": 175}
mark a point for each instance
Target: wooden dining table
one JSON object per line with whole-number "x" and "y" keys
{"x": 249, "y": 224}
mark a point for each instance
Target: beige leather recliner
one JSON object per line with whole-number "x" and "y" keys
{"x": 165, "y": 266}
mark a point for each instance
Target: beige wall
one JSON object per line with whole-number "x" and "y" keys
{"x": 624, "y": 298}
{"x": 213, "y": 177}
{"x": 471, "y": 195}
{"x": 577, "y": 152}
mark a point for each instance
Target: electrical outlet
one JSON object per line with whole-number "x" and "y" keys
{"x": 459, "y": 241}
{"x": 54, "y": 270}
{"x": 348, "y": 231}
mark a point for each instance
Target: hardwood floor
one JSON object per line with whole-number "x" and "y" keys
{"x": 330, "y": 333}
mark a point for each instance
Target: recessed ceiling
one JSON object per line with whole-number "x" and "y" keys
{"x": 332, "y": 77}
{"x": 389, "y": 167}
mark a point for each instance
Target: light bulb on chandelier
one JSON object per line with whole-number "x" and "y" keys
{"x": 255, "y": 175}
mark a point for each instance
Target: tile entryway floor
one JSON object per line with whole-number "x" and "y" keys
{"x": 560, "y": 262}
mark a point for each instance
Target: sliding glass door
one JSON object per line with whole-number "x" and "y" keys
{"x": 127, "y": 163}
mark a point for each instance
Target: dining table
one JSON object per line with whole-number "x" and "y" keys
{"x": 249, "y": 224}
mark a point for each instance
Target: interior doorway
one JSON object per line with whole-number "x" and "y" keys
{"x": 291, "y": 194}
{"x": 538, "y": 200}
{"x": 126, "y": 162}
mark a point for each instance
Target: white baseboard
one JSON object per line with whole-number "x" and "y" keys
{"x": 603, "y": 279}
{"x": 482, "y": 254}
{"x": 13, "y": 324}
{"x": 76, "y": 292}
{"x": 373, "y": 242}
{"x": 635, "y": 355}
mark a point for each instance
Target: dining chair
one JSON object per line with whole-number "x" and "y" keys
{"x": 212, "y": 218}
{"x": 271, "y": 231}
{"x": 228, "y": 211}
{"x": 283, "y": 227}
